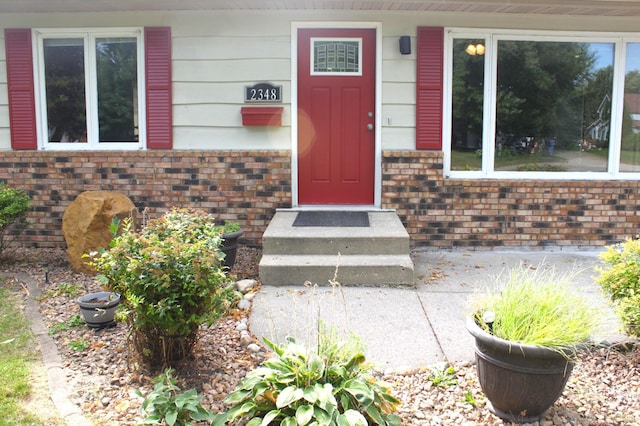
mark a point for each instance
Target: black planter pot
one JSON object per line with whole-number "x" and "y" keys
{"x": 230, "y": 247}
{"x": 520, "y": 381}
{"x": 99, "y": 309}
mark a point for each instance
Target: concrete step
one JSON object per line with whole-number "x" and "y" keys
{"x": 349, "y": 270}
{"x": 377, "y": 255}
{"x": 385, "y": 235}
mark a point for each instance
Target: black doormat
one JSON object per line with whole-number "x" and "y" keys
{"x": 332, "y": 219}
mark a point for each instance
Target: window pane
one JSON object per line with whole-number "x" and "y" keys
{"x": 117, "y": 76}
{"x": 65, "y": 90}
{"x": 630, "y": 154}
{"x": 468, "y": 98}
{"x": 336, "y": 56}
{"x": 553, "y": 106}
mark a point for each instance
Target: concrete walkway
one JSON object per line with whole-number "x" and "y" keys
{"x": 411, "y": 328}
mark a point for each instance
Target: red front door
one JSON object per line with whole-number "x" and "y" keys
{"x": 336, "y": 116}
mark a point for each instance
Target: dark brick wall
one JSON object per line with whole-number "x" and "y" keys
{"x": 487, "y": 213}
{"x": 247, "y": 186}
{"x": 243, "y": 186}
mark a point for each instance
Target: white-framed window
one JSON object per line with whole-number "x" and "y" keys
{"x": 89, "y": 88}
{"x": 541, "y": 105}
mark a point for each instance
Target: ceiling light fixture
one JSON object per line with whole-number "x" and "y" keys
{"x": 475, "y": 49}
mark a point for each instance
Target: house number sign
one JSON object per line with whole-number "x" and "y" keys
{"x": 263, "y": 92}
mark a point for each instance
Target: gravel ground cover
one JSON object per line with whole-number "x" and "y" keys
{"x": 604, "y": 388}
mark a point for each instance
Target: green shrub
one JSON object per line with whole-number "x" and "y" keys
{"x": 14, "y": 205}
{"x": 165, "y": 404}
{"x": 620, "y": 280}
{"x": 329, "y": 386}
{"x": 172, "y": 280}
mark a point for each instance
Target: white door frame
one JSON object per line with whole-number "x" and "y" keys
{"x": 378, "y": 108}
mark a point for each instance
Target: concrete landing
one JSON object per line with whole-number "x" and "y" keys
{"x": 376, "y": 255}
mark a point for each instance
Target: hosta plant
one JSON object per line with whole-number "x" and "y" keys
{"x": 171, "y": 278}
{"x": 331, "y": 385}
{"x": 620, "y": 280}
{"x": 167, "y": 405}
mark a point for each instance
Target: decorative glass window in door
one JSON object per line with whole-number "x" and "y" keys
{"x": 336, "y": 56}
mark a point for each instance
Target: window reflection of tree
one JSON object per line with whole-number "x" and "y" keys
{"x": 544, "y": 90}
{"x": 65, "y": 90}
{"x": 116, "y": 63}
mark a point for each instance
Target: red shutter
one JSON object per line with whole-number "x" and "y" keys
{"x": 157, "y": 46}
{"x": 22, "y": 110}
{"x": 429, "y": 88}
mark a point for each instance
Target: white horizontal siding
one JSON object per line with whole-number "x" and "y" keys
{"x": 3, "y": 67}
{"x": 5, "y": 138}
{"x": 216, "y": 53}
{"x": 207, "y": 116}
{"x": 4, "y": 116}
{"x": 235, "y": 24}
{"x": 399, "y": 137}
{"x": 224, "y": 47}
{"x": 214, "y": 57}
{"x": 232, "y": 138}
{"x": 398, "y": 93}
{"x": 4, "y": 107}
{"x": 399, "y": 71}
{"x": 398, "y": 115}
{"x": 246, "y": 71}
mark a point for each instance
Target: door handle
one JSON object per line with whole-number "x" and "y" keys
{"x": 370, "y": 126}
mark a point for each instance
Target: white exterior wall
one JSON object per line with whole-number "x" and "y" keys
{"x": 5, "y": 137}
{"x": 217, "y": 53}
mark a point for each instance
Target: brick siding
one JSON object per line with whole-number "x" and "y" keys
{"x": 447, "y": 213}
{"x": 242, "y": 186}
{"x": 247, "y": 187}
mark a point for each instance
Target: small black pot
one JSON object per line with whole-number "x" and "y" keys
{"x": 230, "y": 247}
{"x": 99, "y": 309}
{"x": 520, "y": 381}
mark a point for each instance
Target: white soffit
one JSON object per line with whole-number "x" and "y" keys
{"x": 539, "y": 7}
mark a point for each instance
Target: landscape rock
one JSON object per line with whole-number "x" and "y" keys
{"x": 254, "y": 348}
{"x": 245, "y": 340}
{"x": 86, "y": 222}
{"x": 246, "y": 285}
{"x": 244, "y": 305}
